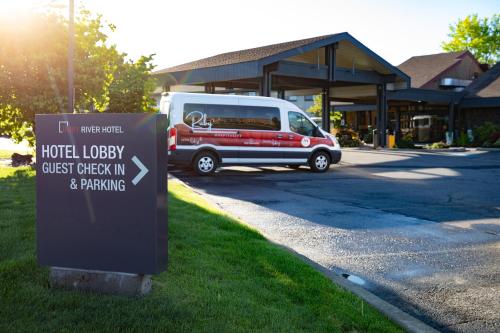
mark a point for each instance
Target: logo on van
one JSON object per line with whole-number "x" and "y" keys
{"x": 199, "y": 120}
{"x": 305, "y": 142}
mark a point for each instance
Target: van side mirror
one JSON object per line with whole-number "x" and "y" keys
{"x": 317, "y": 132}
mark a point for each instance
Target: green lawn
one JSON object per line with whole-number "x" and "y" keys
{"x": 5, "y": 153}
{"x": 222, "y": 277}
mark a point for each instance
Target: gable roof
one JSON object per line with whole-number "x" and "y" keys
{"x": 423, "y": 69}
{"x": 487, "y": 85}
{"x": 249, "y": 62}
{"x": 240, "y": 56}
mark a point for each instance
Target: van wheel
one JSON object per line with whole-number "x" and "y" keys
{"x": 205, "y": 163}
{"x": 320, "y": 161}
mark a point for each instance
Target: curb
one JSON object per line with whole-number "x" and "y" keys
{"x": 403, "y": 319}
{"x": 447, "y": 150}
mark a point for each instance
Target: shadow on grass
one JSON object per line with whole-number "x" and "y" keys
{"x": 222, "y": 277}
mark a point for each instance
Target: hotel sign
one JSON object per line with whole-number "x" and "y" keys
{"x": 102, "y": 192}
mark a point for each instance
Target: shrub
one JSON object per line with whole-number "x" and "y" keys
{"x": 462, "y": 141}
{"x": 368, "y": 137}
{"x": 487, "y": 134}
{"x": 406, "y": 142}
{"x": 348, "y": 138}
{"x": 437, "y": 145}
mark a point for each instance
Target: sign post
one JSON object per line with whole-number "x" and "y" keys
{"x": 102, "y": 200}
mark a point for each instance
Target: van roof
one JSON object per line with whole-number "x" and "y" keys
{"x": 233, "y": 97}
{"x": 219, "y": 95}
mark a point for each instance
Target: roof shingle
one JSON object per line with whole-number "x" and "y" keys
{"x": 423, "y": 69}
{"x": 487, "y": 85}
{"x": 240, "y": 56}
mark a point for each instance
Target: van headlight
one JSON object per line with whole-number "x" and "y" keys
{"x": 334, "y": 139}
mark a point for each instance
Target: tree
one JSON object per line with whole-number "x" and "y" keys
{"x": 480, "y": 36}
{"x": 132, "y": 86}
{"x": 317, "y": 107}
{"x": 33, "y": 71}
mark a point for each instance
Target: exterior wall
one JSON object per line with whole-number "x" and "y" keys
{"x": 470, "y": 118}
{"x": 466, "y": 69}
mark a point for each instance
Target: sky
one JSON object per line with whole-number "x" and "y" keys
{"x": 186, "y": 30}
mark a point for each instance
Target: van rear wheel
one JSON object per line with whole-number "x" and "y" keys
{"x": 205, "y": 163}
{"x": 320, "y": 161}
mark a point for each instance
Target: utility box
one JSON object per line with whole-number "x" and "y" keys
{"x": 391, "y": 141}
{"x": 101, "y": 189}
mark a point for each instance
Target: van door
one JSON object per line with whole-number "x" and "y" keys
{"x": 261, "y": 132}
{"x": 302, "y": 137}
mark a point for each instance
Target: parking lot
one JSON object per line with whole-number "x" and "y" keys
{"x": 419, "y": 229}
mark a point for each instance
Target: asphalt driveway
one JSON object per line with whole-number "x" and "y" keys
{"x": 421, "y": 230}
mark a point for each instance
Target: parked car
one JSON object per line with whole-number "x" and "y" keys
{"x": 429, "y": 128}
{"x": 209, "y": 130}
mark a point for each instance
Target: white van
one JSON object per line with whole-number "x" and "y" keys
{"x": 209, "y": 130}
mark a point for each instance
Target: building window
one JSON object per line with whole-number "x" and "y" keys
{"x": 291, "y": 98}
{"x": 309, "y": 98}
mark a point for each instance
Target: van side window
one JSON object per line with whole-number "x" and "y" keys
{"x": 300, "y": 124}
{"x": 210, "y": 116}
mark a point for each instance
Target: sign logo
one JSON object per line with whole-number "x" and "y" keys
{"x": 305, "y": 142}
{"x": 65, "y": 128}
{"x": 62, "y": 125}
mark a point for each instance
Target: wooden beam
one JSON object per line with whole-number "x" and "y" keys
{"x": 320, "y": 72}
{"x": 331, "y": 60}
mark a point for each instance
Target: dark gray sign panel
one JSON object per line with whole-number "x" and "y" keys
{"x": 102, "y": 192}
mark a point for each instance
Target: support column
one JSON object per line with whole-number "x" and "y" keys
{"x": 382, "y": 113}
{"x": 281, "y": 94}
{"x": 397, "y": 130}
{"x": 325, "y": 109}
{"x": 451, "y": 117}
{"x": 210, "y": 88}
{"x": 265, "y": 86}
{"x": 331, "y": 61}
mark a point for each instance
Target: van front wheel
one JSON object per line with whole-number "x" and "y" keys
{"x": 320, "y": 161}
{"x": 205, "y": 163}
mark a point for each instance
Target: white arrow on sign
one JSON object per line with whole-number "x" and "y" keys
{"x": 141, "y": 173}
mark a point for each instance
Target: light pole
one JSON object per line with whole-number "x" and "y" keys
{"x": 71, "y": 51}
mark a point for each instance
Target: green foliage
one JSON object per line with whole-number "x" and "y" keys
{"x": 348, "y": 138}
{"x": 13, "y": 124}
{"x": 406, "y": 142}
{"x": 222, "y": 277}
{"x": 33, "y": 71}
{"x": 462, "y": 140}
{"x": 481, "y": 36}
{"x": 316, "y": 108}
{"x": 437, "y": 145}
{"x": 487, "y": 134}
{"x": 132, "y": 86}
{"x": 368, "y": 137}
{"x": 336, "y": 118}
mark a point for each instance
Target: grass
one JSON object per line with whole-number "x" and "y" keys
{"x": 5, "y": 153}
{"x": 222, "y": 277}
